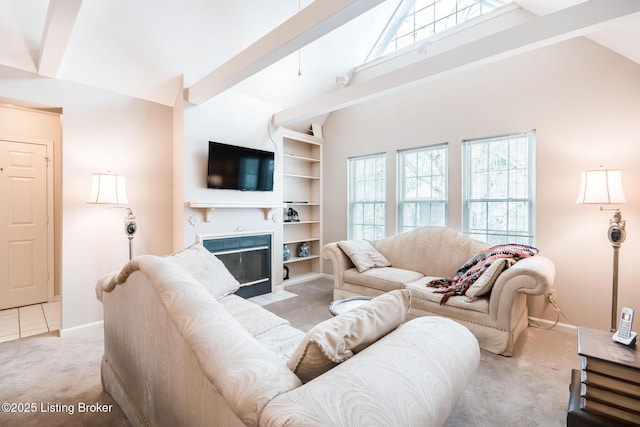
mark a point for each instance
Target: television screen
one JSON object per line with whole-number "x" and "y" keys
{"x": 239, "y": 168}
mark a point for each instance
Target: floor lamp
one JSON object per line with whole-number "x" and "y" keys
{"x": 109, "y": 189}
{"x": 604, "y": 187}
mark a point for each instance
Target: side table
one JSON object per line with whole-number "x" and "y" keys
{"x": 343, "y": 305}
{"x": 606, "y": 390}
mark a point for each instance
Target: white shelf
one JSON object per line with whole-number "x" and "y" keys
{"x": 299, "y": 278}
{"x": 310, "y": 239}
{"x": 302, "y": 158}
{"x": 301, "y": 204}
{"x": 300, "y": 222}
{"x": 300, "y": 259}
{"x": 291, "y": 175}
{"x": 269, "y": 209}
{"x": 299, "y": 136}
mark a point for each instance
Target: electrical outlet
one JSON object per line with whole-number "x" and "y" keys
{"x": 550, "y": 296}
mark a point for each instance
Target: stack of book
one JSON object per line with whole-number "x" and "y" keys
{"x": 609, "y": 381}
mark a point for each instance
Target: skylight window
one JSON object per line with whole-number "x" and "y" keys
{"x": 416, "y": 20}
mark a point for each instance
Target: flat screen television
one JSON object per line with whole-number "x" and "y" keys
{"x": 233, "y": 167}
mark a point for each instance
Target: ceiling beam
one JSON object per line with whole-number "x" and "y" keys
{"x": 541, "y": 31}
{"x": 319, "y": 18}
{"x": 61, "y": 17}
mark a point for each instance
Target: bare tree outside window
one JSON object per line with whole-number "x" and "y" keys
{"x": 423, "y": 195}
{"x": 498, "y": 205}
{"x": 367, "y": 197}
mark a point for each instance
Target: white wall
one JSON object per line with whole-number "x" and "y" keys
{"x": 582, "y": 100}
{"x": 230, "y": 118}
{"x": 103, "y": 131}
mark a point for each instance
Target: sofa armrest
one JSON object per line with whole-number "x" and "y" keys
{"x": 532, "y": 276}
{"x": 339, "y": 261}
{"x": 415, "y": 375}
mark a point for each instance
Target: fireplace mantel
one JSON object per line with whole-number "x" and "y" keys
{"x": 270, "y": 209}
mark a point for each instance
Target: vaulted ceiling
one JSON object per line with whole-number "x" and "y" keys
{"x": 285, "y": 52}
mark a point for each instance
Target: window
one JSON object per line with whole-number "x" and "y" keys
{"x": 422, "y": 192}
{"x": 367, "y": 197}
{"x": 416, "y": 20}
{"x": 498, "y": 194}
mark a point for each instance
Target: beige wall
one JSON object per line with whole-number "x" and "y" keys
{"x": 102, "y": 131}
{"x": 583, "y": 101}
{"x": 178, "y": 171}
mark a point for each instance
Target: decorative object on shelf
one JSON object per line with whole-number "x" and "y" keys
{"x": 292, "y": 215}
{"x": 285, "y": 272}
{"x": 110, "y": 189}
{"x": 303, "y": 250}
{"x": 286, "y": 253}
{"x": 604, "y": 187}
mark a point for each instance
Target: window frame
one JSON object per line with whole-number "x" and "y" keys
{"x": 509, "y": 235}
{"x": 352, "y": 231}
{"x": 388, "y": 41}
{"x": 402, "y": 203}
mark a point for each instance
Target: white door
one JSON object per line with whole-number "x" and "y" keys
{"x": 24, "y": 277}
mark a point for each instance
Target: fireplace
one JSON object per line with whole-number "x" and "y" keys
{"x": 247, "y": 257}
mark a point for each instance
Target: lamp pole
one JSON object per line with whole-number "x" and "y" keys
{"x": 130, "y": 228}
{"x": 616, "y": 235}
{"x": 614, "y": 292}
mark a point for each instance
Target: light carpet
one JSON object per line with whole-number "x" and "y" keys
{"x": 59, "y": 377}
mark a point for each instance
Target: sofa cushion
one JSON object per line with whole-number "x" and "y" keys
{"x": 255, "y": 319}
{"x": 207, "y": 269}
{"x": 420, "y": 291}
{"x": 363, "y": 255}
{"x": 282, "y": 341}
{"x": 484, "y": 283}
{"x": 336, "y": 340}
{"x": 385, "y": 279}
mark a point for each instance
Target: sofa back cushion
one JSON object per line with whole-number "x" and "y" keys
{"x": 432, "y": 251}
{"x": 207, "y": 269}
{"x": 363, "y": 255}
{"x": 336, "y": 340}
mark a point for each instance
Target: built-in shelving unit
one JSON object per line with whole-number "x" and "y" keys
{"x": 302, "y": 191}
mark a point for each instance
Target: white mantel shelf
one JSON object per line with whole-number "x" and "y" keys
{"x": 269, "y": 209}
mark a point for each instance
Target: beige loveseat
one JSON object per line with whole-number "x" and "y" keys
{"x": 181, "y": 350}
{"x": 419, "y": 256}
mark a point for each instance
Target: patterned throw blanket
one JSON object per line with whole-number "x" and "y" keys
{"x": 478, "y": 264}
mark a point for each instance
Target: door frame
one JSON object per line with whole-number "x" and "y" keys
{"x": 50, "y": 211}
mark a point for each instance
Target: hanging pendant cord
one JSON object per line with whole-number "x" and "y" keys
{"x": 299, "y": 50}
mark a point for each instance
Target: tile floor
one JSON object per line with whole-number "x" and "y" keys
{"x": 16, "y": 323}
{"x": 272, "y": 297}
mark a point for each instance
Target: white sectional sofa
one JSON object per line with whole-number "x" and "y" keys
{"x": 419, "y": 256}
{"x": 182, "y": 350}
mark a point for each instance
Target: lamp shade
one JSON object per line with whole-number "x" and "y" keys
{"x": 601, "y": 186}
{"x": 108, "y": 189}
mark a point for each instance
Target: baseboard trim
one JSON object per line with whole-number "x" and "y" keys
{"x": 80, "y": 328}
{"x": 548, "y": 323}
